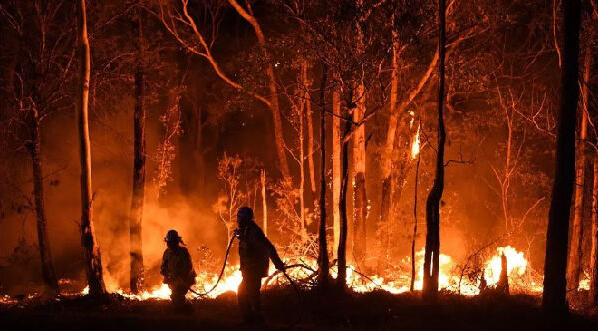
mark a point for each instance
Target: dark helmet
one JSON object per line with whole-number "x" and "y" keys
{"x": 173, "y": 237}
{"x": 245, "y": 214}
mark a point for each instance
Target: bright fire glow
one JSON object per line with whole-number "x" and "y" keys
{"x": 516, "y": 265}
{"x": 415, "y": 145}
{"x": 449, "y": 278}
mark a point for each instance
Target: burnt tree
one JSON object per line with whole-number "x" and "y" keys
{"x": 555, "y": 284}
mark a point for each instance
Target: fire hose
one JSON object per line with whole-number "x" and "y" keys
{"x": 286, "y": 275}
{"x": 230, "y": 243}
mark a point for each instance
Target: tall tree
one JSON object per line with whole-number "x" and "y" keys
{"x": 555, "y": 264}
{"x": 432, "y": 258}
{"x": 577, "y": 230}
{"x": 136, "y": 213}
{"x": 36, "y": 68}
{"x": 91, "y": 249}
{"x": 323, "y": 245}
{"x": 594, "y": 233}
{"x": 360, "y": 202}
{"x": 336, "y": 170}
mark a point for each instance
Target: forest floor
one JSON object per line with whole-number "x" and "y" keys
{"x": 285, "y": 310}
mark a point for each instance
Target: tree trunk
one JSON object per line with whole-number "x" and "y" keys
{"x": 48, "y": 274}
{"x": 323, "y": 246}
{"x": 336, "y": 169}
{"x": 575, "y": 245}
{"x": 89, "y": 242}
{"x": 264, "y": 205}
{"x": 136, "y": 218}
{"x": 554, "y": 296}
{"x": 431, "y": 259}
{"x": 594, "y": 234}
{"x": 300, "y": 110}
{"x": 342, "y": 241}
{"x": 412, "y": 283}
{"x": 393, "y": 119}
{"x": 360, "y": 208}
{"x": 310, "y": 131}
{"x": 503, "y": 281}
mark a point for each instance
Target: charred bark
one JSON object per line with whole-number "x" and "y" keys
{"x": 555, "y": 284}
{"x": 136, "y": 213}
{"x": 91, "y": 249}
{"x": 431, "y": 258}
{"x": 323, "y": 263}
{"x": 34, "y": 148}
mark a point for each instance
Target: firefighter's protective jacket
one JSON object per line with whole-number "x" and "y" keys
{"x": 255, "y": 251}
{"x": 177, "y": 267}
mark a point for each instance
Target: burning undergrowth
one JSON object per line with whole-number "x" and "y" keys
{"x": 454, "y": 278}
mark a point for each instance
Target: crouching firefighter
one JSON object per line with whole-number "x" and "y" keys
{"x": 255, "y": 252}
{"x": 177, "y": 268}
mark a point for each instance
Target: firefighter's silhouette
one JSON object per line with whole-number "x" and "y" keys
{"x": 255, "y": 252}
{"x": 177, "y": 268}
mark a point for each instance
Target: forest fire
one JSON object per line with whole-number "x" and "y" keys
{"x": 359, "y": 282}
{"x": 362, "y": 163}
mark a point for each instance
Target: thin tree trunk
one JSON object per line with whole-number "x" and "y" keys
{"x": 342, "y": 241}
{"x": 390, "y": 136}
{"x": 264, "y": 205}
{"x": 503, "y": 281}
{"x": 431, "y": 259}
{"x": 310, "y": 131}
{"x": 336, "y": 169}
{"x": 412, "y": 283}
{"x": 89, "y": 242}
{"x": 555, "y": 264}
{"x": 594, "y": 234}
{"x": 136, "y": 218}
{"x": 302, "y": 172}
{"x": 360, "y": 208}
{"x": 575, "y": 245}
{"x": 48, "y": 274}
{"x": 323, "y": 263}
